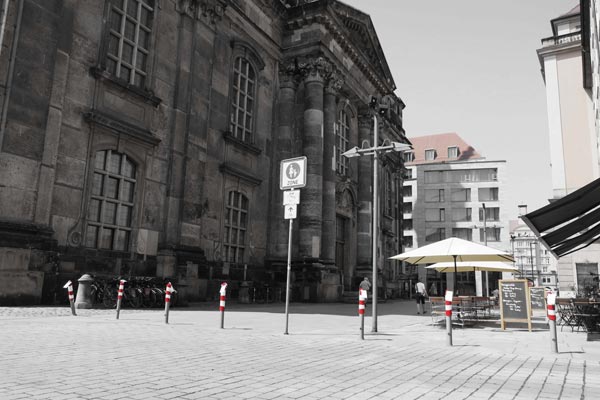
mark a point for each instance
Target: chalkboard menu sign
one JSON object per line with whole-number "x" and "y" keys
{"x": 514, "y": 302}
{"x": 538, "y": 298}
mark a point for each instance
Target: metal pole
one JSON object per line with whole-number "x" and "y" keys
{"x": 551, "y": 299}
{"x": 289, "y": 269}
{"x": 487, "y": 282}
{"x": 531, "y": 255}
{"x": 374, "y": 219}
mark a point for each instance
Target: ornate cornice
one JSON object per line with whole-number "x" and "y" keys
{"x": 108, "y": 121}
{"x": 228, "y": 168}
{"x": 213, "y": 10}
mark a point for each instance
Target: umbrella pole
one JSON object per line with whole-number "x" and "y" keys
{"x": 455, "y": 277}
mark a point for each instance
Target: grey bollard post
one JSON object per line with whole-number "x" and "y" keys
{"x": 222, "y": 293}
{"x": 448, "y": 307}
{"x": 362, "y": 296}
{"x": 69, "y": 287}
{"x": 84, "y": 292}
{"x": 120, "y": 296}
{"x": 551, "y": 299}
{"x": 168, "y": 292}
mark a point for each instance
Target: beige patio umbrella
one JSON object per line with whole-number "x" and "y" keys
{"x": 453, "y": 250}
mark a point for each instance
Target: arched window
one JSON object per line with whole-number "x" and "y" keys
{"x": 110, "y": 211}
{"x": 242, "y": 100}
{"x": 236, "y": 224}
{"x": 129, "y": 29}
{"x": 342, "y": 139}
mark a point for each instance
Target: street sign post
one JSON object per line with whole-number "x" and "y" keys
{"x": 292, "y": 176}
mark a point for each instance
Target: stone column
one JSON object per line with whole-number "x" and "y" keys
{"x": 311, "y": 200}
{"x": 365, "y": 196}
{"x": 288, "y": 84}
{"x": 333, "y": 85}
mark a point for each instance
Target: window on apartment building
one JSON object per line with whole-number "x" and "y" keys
{"x": 129, "y": 30}
{"x": 434, "y": 176}
{"x": 463, "y": 233}
{"x": 407, "y": 173}
{"x": 407, "y": 191}
{"x": 491, "y": 214}
{"x": 435, "y": 214}
{"x": 461, "y": 194}
{"x": 452, "y": 152}
{"x": 472, "y": 175}
{"x": 343, "y": 140}
{"x": 435, "y": 234}
{"x": 461, "y": 214}
{"x": 493, "y": 235}
{"x": 407, "y": 241}
{"x": 409, "y": 156}
{"x": 110, "y": 210}
{"x": 407, "y": 207}
{"x": 430, "y": 154}
{"x": 434, "y": 196}
{"x": 236, "y": 224}
{"x": 488, "y": 194}
{"x": 586, "y": 272}
{"x": 243, "y": 97}
{"x": 407, "y": 224}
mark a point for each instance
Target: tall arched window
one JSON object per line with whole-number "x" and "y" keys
{"x": 242, "y": 100}
{"x": 342, "y": 139}
{"x": 236, "y": 224}
{"x": 110, "y": 211}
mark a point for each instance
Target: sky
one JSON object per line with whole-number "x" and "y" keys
{"x": 471, "y": 67}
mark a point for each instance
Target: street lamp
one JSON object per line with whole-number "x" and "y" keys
{"x": 386, "y": 147}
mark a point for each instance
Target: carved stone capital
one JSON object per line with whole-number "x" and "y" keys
{"x": 213, "y": 10}
{"x": 334, "y": 83}
{"x": 288, "y": 75}
{"x": 315, "y": 69}
{"x": 365, "y": 119}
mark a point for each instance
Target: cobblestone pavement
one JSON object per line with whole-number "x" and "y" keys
{"x": 48, "y": 354}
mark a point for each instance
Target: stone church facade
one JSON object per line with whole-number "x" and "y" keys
{"x": 144, "y": 138}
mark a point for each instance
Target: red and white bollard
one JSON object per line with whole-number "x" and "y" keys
{"x": 120, "y": 296}
{"x": 69, "y": 287}
{"x": 168, "y": 292}
{"x": 448, "y": 304}
{"x": 222, "y": 292}
{"x": 551, "y": 300}
{"x": 362, "y": 300}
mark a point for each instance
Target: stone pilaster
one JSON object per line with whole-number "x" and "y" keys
{"x": 365, "y": 195}
{"x": 288, "y": 85}
{"x": 333, "y": 85}
{"x": 311, "y": 204}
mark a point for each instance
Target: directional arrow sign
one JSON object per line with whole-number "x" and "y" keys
{"x": 290, "y": 211}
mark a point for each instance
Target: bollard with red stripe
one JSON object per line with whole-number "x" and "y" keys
{"x": 448, "y": 306}
{"x": 120, "y": 296}
{"x": 362, "y": 299}
{"x": 222, "y": 293}
{"x": 168, "y": 292}
{"x": 551, "y": 300}
{"x": 69, "y": 287}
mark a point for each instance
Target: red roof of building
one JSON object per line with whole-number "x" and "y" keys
{"x": 441, "y": 143}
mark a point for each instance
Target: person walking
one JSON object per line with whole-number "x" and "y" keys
{"x": 420, "y": 294}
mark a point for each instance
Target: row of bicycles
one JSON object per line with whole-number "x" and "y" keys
{"x": 138, "y": 292}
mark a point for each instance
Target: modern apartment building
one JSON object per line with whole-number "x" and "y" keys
{"x": 450, "y": 190}
{"x": 569, "y": 60}
{"x": 532, "y": 259}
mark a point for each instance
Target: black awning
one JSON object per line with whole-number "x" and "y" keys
{"x": 569, "y": 224}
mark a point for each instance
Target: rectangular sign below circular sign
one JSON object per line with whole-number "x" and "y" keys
{"x": 293, "y": 173}
{"x": 290, "y": 211}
